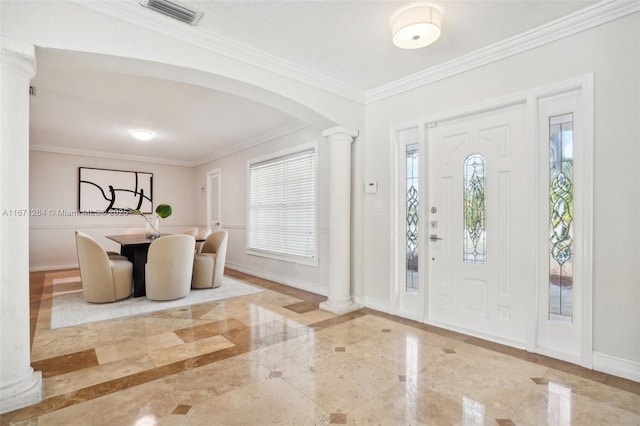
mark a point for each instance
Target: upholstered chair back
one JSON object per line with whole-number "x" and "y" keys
{"x": 136, "y": 231}
{"x": 202, "y": 235}
{"x": 216, "y": 247}
{"x": 169, "y": 267}
{"x": 191, "y": 231}
{"x": 104, "y": 279}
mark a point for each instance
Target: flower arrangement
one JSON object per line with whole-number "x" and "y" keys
{"x": 162, "y": 211}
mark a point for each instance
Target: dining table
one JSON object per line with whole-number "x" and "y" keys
{"x": 135, "y": 248}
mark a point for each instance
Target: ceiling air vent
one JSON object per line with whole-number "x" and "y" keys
{"x": 174, "y": 10}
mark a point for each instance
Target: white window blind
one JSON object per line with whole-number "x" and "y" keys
{"x": 282, "y": 205}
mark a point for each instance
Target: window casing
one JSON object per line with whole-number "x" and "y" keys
{"x": 282, "y": 213}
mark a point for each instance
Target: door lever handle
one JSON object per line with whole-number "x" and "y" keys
{"x": 434, "y": 237}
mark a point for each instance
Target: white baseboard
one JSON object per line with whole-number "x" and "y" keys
{"x": 40, "y": 268}
{"x": 483, "y": 336}
{"x": 616, "y": 366}
{"x": 562, "y": 356}
{"x": 373, "y": 303}
{"x": 291, "y": 282}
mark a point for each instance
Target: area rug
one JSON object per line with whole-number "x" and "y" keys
{"x": 69, "y": 307}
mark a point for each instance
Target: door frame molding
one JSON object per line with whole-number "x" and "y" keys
{"x": 583, "y": 224}
{"x": 530, "y": 98}
{"x": 398, "y": 223}
{"x": 209, "y": 174}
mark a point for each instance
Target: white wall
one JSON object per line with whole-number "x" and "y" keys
{"x": 53, "y": 188}
{"x": 233, "y": 212}
{"x": 612, "y": 53}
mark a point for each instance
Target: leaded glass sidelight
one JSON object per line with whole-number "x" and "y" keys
{"x": 561, "y": 215}
{"x": 412, "y": 216}
{"x": 475, "y": 214}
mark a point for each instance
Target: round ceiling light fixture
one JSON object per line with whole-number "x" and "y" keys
{"x": 142, "y": 134}
{"x": 416, "y": 27}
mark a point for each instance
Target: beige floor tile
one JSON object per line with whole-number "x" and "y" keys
{"x": 313, "y": 317}
{"x": 52, "y": 343}
{"x": 140, "y": 405}
{"x": 261, "y": 402}
{"x": 404, "y": 404}
{"x": 596, "y": 391}
{"x": 337, "y": 385}
{"x": 173, "y": 420}
{"x": 136, "y": 346}
{"x": 203, "y": 383}
{"x": 188, "y": 350}
{"x": 500, "y": 391}
{"x": 555, "y": 404}
{"x": 86, "y": 377}
{"x": 515, "y": 365}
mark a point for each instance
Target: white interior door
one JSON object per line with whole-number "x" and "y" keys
{"x": 213, "y": 199}
{"x": 480, "y": 226}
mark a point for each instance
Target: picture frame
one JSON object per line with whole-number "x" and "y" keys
{"x": 110, "y": 191}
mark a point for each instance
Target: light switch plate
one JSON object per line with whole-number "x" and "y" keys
{"x": 371, "y": 187}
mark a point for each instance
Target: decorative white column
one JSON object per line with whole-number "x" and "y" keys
{"x": 19, "y": 384}
{"x": 339, "y": 301}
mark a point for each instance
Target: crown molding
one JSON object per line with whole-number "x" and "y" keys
{"x": 107, "y": 155}
{"x": 134, "y": 14}
{"x": 237, "y": 147}
{"x": 257, "y": 140}
{"x": 21, "y": 49}
{"x": 579, "y": 21}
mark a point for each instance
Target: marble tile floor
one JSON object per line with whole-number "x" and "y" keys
{"x": 274, "y": 358}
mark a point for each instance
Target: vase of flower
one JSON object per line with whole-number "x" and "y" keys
{"x": 153, "y": 224}
{"x": 153, "y": 227}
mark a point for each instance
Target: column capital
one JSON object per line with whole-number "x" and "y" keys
{"x": 21, "y": 51}
{"x": 341, "y": 130}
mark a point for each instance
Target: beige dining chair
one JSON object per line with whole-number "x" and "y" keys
{"x": 202, "y": 235}
{"x": 169, "y": 267}
{"x": 208, "y": 266}
{"x": 104, "y": 279}
{"x": 136, "y": 231}
{"x": 191, "y": 231}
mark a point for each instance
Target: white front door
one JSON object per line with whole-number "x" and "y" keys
{"x": 480, "y": 229}
{"x": 213, "y": 199}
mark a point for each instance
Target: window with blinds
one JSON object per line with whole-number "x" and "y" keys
{"x": 282, "y": 206}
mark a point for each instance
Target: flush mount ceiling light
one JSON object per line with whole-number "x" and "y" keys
{"x": 142, "y": 134}
{"x": 416, "y": 27}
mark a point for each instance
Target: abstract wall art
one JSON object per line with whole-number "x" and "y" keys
{"x": 103, "y": 190}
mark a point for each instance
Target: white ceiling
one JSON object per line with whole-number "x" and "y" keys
{"x": 81, "y": 110}
{"x": 350, "y": 41}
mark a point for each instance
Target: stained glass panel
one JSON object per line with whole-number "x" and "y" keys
{"x": 412, "y": 217}
{"x": 561, "y": 216}
{"x": 475, "y": 215}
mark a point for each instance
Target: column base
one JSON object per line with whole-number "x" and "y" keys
{"x": 27, "y": 392}
{"x": 339, "y": 309}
